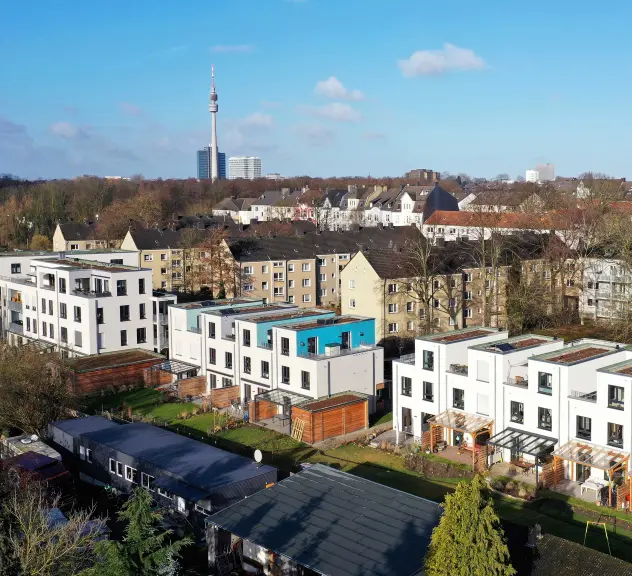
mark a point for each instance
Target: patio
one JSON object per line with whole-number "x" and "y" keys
{"x": 275, "y": 424}
{"x": 508, "y": 470}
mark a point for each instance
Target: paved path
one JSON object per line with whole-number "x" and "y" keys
{"x": 331, "y": 443}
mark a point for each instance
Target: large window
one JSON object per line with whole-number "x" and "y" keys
{"x": 545, "y": 419}
{"x": 112, "y": 466}
{"x": 247, "y": 365}
{"x": 458, "y": 398}
{"x": 141, "y": 285}
{"x": 428, "y": 360}
{"x": 141, "y": 335}
{"x": 131, "y": 474}
{"x": 545, "y": 383}
{"x": 228, "y": 358}
{"x": 305, "y": 380}
{"x": 615, "y": 397}
{"x": 123, "y": 337}
{"x": 265, "y": 369}
{"x": 407, "y": 386}
{"x": 77, "y": 314}
{"x": 211, "y": 329}
{"x": 285, "y": 346}
{"x": 146, "y": 481}
{"x": 212, "y": 356}
{"x": 121, "y": 287}
{"x": 246, "y": 338}
{"x": 584, "y": 428}
{"x": 517, "y": 412}
{"x": 427, "y": 390}
{"x": 615, "y": 435}
{"x": 285, "y": 374}
{"x": 124, "y": 314}
{"x": 78, "y": 339}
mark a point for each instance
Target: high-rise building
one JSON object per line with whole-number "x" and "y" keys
{"x": 532, "y": 176}
{"x": 205, "y": 164}
{"x": 248, "y": 167}
{"x": 546, "y": 172}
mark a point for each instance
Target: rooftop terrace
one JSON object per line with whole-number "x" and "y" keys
{"x": 290, "y": 314}
{"x": 333, "y": 321}
{"x": 460, "y": 335}
{"x": 89, "y": 265}
{"x": 212, "y": 303}
{"x": 510, "y": 345}
{"x": 624, "y": 368}
{"x": 575, "y": 354}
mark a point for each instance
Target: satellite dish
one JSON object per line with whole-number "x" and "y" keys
{"x": 34, "y": 438}
{"x": 258, "y": 455}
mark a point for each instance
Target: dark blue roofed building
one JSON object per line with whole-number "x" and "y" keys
{"x": 322, "y": 521}
{"x": 440, "y": 199}
{"x": 193, "y": 478}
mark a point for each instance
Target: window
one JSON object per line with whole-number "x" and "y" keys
{"x": 352, "y": 303}
{"x": 77, "y": 314}
{"x": 123, "y": 337}
{"x": 290, "y": 267}
{"x": 306, "y": 267}
{"x": 545, "y": 420}
{"x": 410, "y": 306}
{"x": 213, "y": 381}
{"x": 63, "y": 333}
{"x": 407, "y": 386}
{"x": 307, "y": 297}
{"x": 392, "y": 288}
{"x": 458, "y": 398}
{"x": 467, "y": 313}
{"x": 131, "y": 474}
{"x": 545, "y": 383}
{"x": 141, "y": 335}
{"x": 277, "y": 264}
{"x": 517, "y": 412}
{"x": 468, "y": 277}
{"x": 322, "y": 261}
{"x": 436, "y": 303}
{"x": 74, "y": 246}
{"x": 28, "y": 324}
{"x": 226, "y": 382}
{"x": 304, "y": 380}
{"x": 146, "y": 481}
{"x": 591, "y": 302}
{"x": 392, "y": 327}
{"x": 124, "y": 313}
{"x": 615, "y": 435}
{"x": 392, "y": 308}
{"x": 228, "y": 360}
{"x": 428, "y": 396}
{"x": 570, "y": 282}
{"x": 165, "y": 494}
{"x": 141, "y": 285}
{"x": 436, "y": 284}
{"x": 16, "y": 268}
{"x": 50, "y": 307}
{"x": 78, "y": 339}
{"x": 89, "y": 455}
{"x": 285, "y": 346}
{"x": 247, "y": 365}
{"x": 99, "y": 316}
{"x": 279, "y": 276}
{"x": 352, "y": 284}
{"x": 212, "y": 356}
{"x": 63, "y": 312}
{"x": 615, "y": 397}
{"x": 584, "y": 427}
{"x": 265, "y": 369}
{"x": 290, "y": 299}
{"x": 201, "y": 510}
{"x": 428, "y": 360}
{"x": 51, "y": 330}
{"x": 148, "y": 257}
{"x": 285, "y": 374}
{"x": 246, "y": 337}
{"x": 82, "y": 453}
{"x": 290, "y": 283}
{"x": 62, "y": 285}
{"x": 322, "y": 277}
{"x": 211, "y": 329}
{"x": 248, "y": 270}
{"x": 410, "y": 325}
{"x": 112, "y": 466}
{"x": 306, "y": 282}
{"x": 279, "y": 291}
{"x": 44, "y": 332}
{"x": 121, "y": 287}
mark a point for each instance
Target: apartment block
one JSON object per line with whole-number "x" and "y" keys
{"x": 80, "y": 307}
{"x": 71, "y": 236}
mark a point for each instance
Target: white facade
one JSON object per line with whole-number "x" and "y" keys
{"x": 532, "y": 176}
{"x": 79, "y": 307}
{"x": 248, "y": 167}
{"x": 546, "y": 172}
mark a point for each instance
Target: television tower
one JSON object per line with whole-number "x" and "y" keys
{"x": 213, "y": 110}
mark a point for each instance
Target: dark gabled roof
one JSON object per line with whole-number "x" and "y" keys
{"x": 197, "y": 464}
{"x": 234, "y": 204}
{"x": 155, "y": 239}
{"x": 335, "y": 197}
{"x": 78, "y": 230}
{"x": 313, "y": 244}
{"x": 439, "y": 199}
{"x": 336, "y": 523}
{"x": 511, "y": 197}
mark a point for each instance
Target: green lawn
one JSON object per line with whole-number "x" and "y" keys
{"x": 377, "y": 419}
{"x": 204, "y": 423}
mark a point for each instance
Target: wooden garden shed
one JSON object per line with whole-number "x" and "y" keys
{"x": 334, "y": 415}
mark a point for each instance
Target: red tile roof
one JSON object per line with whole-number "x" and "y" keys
{"x": 514, "y": 220}
{"x": 577, "y": 355}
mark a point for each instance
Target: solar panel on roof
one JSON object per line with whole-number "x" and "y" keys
{"x": 504, "y": 347}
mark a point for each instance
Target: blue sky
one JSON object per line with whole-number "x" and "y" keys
{"x": 318, "y": 87}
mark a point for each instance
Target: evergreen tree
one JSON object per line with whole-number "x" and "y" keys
{"x": 144, "y": 551}
{"x": 468, "y": 540}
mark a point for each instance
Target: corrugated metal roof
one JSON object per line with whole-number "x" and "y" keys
{"x": 336, "y": 523}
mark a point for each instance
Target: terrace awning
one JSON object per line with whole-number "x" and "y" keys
{"x": 461, "y": 421}
{"x": 523, "y": 442}
{"x": 174, "y": 367}
{"x": 281, "y": 397}
{"x": 593, "y": 455}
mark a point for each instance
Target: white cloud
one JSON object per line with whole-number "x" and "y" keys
{"x": 130, "y": 108}
{"x": 232, "y": 48}
{"x": 257, "y": 120}
{"x": 334, "y": 111}
{"x": 64, "y": 129}
{"x": 315, "y": 134}
{"x": 373, "y": 136}
{"x": 249, "y": 133}
{"x": 333, "y": 88}
{"x": 433, "y": 62}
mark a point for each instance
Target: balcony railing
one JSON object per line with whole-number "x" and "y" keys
{"x": 461, "y": 369}
{"x": 615, "y": 404}
{"x": 585, "y": 396}
{"x": 548, "y": 390}
{"x": 266, "y": 345}
{"x": 194, "y": 329}
{"x": 15, "y": 306}
{"x": 16, "y": 328}
{"x": 91, "y": 293}
{"x": 406, "y": 358}
{"x": 615, "y": 442}
{"x": 518, "y": 382}
{"x": 584, "y": 434}
{"x": 345, "y": 352}
{"x": 230, "y": 337}
{"x": 50, "y": 287}
{"x": 517, "y": 418}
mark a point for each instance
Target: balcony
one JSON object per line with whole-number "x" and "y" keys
{"x": 542, "y": 389}
{"x": 16, "y": 328}
{"x": 615, "y": 404}
{"x": 266, "y": 345}
{"x": 518, "y": 382}
{"x": 194, "y": 329}
{"x": 406, "y": 359}
{"x": 460, "y": 369}
{"x": 585, "y": 396}
{"x": 16, "y": 306}
{"x": 50, "y": 287}
{"x": 583, "y": 434}
{"x": 91, "y": 293}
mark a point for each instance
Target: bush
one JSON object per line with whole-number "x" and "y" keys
{"x": 183, "y": 415}
{"x": 510, "y": 486}
{"x": 195, "y": 410}
{"x": 497, "y": 484}
{"x": 522, "y": 492}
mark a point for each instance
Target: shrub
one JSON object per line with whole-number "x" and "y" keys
{"x": 183, "y": 415}
{"x": 497, "y": 484}
{"x": 522, "y": 492}
{"x": 195, "y": 410}
{"x": 510, "y": 486}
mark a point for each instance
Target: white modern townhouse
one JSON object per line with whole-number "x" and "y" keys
{"x": 525, "y": 400}
{"x": 80, "y": 307}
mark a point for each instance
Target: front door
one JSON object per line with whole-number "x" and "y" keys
{"x": 346, "y": 340}
{"x": 247, "y": 393}
{"x": 582, "y": 473}
{"x": 407, "y": 420}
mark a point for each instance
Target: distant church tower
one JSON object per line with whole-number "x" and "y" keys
{"x": 213, "y": 110}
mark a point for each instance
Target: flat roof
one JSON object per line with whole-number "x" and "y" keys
{"x": 575, "y": 354}
{"x": 289, "y": 315}
{"x": 55, "y": 253}
{"x": 262, "y": 308}
{"x": 333, "y": 321}
{"x": 109, "y": 359}
{"x": 331, "y": 402}
{"x": 72, "y": 263}
{"x": 622, "y": 368}
{"x": 460, "y": 335}
{"x": 336, "y": 523}
{"x": 213, "y": 303}
{"x": 193, "y": 462}
{"x": 514, "y": 344}
{"x": 78, "y": 426}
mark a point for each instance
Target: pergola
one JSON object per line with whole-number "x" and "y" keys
{"x": 472, "y": 424}
{"x": 523, "y": 442}
{"x": 600, "y": 457}
{"x": 176, "y": 367}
